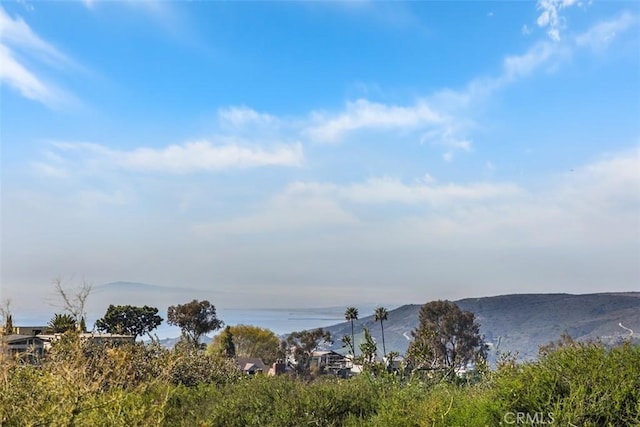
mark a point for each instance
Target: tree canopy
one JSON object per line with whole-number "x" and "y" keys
{"x": 8, "y": 325}
{"x": 195, "y": 319}
{"x": 302, "y": 344}
{"x": 61, "y": 323}
{"x": 446, "y": 338}
{"x": 368, "y": 348}
{"x": 223, "y": 343}
{"x": 250, "y": 341}
{"x": 129, "y": 320}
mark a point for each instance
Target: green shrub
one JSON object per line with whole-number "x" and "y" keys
{"x": 581, "y": 384}
{"x": 146, "y": 385}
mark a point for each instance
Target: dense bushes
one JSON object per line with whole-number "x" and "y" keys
{"x": 581, "y": 384}
{"x": 146, "y": 385}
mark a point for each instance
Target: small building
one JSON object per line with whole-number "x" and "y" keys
{"x": 329, "y": 362}
{"x": 96, "y": 338}
{"x": 278, "y": 368}
{"x": 31, "y": 330}
{"x": 32, "y": 347}
{"x": 250, "y": 365}
{"x": 397, "y": 363}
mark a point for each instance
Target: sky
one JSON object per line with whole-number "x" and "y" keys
{"x": 301, "y": 154}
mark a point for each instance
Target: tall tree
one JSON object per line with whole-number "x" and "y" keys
{"x": 446, "y": 339}
{"x": 368, "y": 348}
{"x": 301, "y": 346}
{"x": 225, "y": 346}
{"x": 251, "y": 341}
{"x": 346, "y": 342}
{"x": 61, "y": 323}
{"x": 74, "y": 301}
{"x": 129, "y": 320}
{"x": 6, "y": 317}
{"x": 381, "y": 315}
{"x": 8, "y": 325}
{"x": 351, "y": 314}
{"x": 195, "y": 319}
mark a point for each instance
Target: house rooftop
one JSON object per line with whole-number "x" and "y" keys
{"x": 246, "y": 363}
{"x": 16, "y": 338}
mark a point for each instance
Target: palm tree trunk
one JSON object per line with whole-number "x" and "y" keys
{"x": 353, "y": 342}
{"x": 384, "y": 349}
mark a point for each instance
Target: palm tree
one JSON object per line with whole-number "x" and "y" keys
{"x": 61, "y": 323}
{"x": 381, "y": 316}
{"x": 351, "y": 314}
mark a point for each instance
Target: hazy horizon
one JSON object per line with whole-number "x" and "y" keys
{"x": 301, "y": 154}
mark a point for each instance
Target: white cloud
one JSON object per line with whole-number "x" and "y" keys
{"x": 444, "y": 119}
{"x": 16, "y": 35}
{"x": 283, "y": 215}
{"x": 550, "y": 17}
{"x": 577, "y": 233}
{"x": 50, "y": 170}
{"x": 602, "y": 34}
{"x": 427, "y": 179}
{"x": 20, "y": 78}
{"x": 242, "y": 115}
{"x": 190, "y": 157}
{"x": 16, "y": 32}
{"x": 386, "y": 190}
{"x": 596, "y": 204}
{"x": 364, "y": 114}
{"x": 311, "y": 206}
{"x": 519, "y": 66}
{"x": 544, "y": 55}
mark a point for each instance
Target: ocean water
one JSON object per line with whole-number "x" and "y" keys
{"x": 280, "y": 321}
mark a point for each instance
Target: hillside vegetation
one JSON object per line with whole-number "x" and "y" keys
{"x": 520, "y": 323}
{"x": 84, "y": 384}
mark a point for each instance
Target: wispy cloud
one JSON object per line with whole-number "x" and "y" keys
{"x": 445, "y": 118}
{"x": 239, "y": 116}
{"x": 20, "y": 78}
{"x": 597, "y": 203}
{"x": 519, "y": 66}
{"x": 602, "y": 34}
{"x": 17, "y": 33}
{"x": 544, "y": 55}
{"x": 550, "y": 16}
{"x": 17, "y": 36}
{"x": 50, "y": 170}
{"x": 364, "y": 114}
{"x": 359, "y": 119}
{"x": 284, "y": 215}
{"x": 190, "y": 157}
{"x": 386, "y": 190}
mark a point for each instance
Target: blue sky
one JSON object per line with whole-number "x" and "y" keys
{"x": 321, "y": 153}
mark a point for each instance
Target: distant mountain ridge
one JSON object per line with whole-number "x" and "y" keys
{"x": 519, "y": 323}
{"x": 516, "y": 323}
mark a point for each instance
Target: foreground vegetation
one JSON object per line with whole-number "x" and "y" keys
{"x": 83, "y": 384}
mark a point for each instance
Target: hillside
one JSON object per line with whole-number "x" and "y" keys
{"x": 520, "y": 323}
